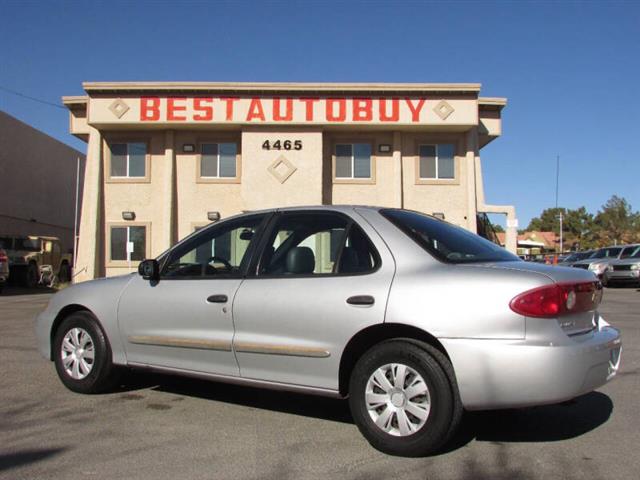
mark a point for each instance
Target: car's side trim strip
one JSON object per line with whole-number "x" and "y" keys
{"x": 290, "y": 350}
{"x": 160, "y": 341}
{"x": 325, "y": 392}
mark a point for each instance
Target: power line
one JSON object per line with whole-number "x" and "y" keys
{"x": 44, "y": 102}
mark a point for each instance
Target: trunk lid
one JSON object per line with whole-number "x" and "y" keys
{"x": 571, "y": 323}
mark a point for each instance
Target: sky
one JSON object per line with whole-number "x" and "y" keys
{"x": 570, "y": 70}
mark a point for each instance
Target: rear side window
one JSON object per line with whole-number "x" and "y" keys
{"x": 317, "y": 244}
{"x": 446, "y": 242}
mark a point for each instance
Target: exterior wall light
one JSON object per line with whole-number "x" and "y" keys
{"x": 384, "y": 148}
{"x": 188, "y": 148}
{"x": 213, "y": 216}
{"x": 439, "y": 215}
{"x": 128, "y": 215}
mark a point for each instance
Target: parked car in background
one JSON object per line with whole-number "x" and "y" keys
{"x": 624, "y": 270}
{"x": 410, "y": 317}
{"x": 4, "y": 268}
{"x": 32, "y": 258}
{"x": 569, "y": 260}
{"x": 599, "y": 260}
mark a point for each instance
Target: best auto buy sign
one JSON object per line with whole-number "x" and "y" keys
{"x": 282, "y": 110}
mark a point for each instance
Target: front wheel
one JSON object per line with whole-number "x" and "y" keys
{"x": 82, "y": 355}
{"x": 402, "y": 400}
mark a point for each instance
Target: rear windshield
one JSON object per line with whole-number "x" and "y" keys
{"x": 447, "y": 242}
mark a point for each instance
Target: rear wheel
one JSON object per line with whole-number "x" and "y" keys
{"x": 402, "y": 400}
{"x": 82, "y": 355}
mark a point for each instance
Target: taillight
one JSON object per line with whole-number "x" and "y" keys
{"x": 557, "y": 299}
{"x": 3, "y": 257}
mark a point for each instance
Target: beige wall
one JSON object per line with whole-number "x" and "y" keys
{"x": 443, "y": 196}
{"x": 37, "y": 182}
{"x": 174, "y": 199}
{"x": 264, "y": 188}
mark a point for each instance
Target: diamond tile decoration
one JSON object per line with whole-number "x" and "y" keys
{"x": 119, "y": 108}
{"x": 281, "y": 169}
{"x": 443, "y": 109}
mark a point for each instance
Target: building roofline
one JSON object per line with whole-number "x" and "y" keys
{"x": 279, "y": 86}
{"x": 498, "y": 102}
{"x": 75, "y": 100}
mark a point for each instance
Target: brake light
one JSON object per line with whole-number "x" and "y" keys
{"x": 3, "y": 257}
{"x": 558, "y": 299}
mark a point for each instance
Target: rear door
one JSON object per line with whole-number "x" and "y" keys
{"x": 321, "y": 278}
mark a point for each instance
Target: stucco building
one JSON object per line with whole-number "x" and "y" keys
{"x": 37, "y": 182}
{"x": 164, "y": 159}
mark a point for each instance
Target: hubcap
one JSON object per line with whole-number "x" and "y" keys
{"x": 77, "y": 353}
{"x": 397, "y": 399}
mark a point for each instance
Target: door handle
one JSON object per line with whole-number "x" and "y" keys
{"x": 217, "y": 299}
{"x": 361, "y": 300}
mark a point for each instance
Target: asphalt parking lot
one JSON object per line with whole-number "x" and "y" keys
{"x": 161, "y": 427}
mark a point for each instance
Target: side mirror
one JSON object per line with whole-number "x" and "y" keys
{"x": 149, "y": 269}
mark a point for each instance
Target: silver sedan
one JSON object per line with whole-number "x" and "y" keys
{"x": 411, "y": 318}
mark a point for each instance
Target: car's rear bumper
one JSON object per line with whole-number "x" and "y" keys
{"x": 504, "y": 374}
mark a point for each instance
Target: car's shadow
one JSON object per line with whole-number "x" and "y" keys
{"x": 535, "y": 424}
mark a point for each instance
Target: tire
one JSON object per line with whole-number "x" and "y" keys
{"x": 403, "y": 433}
{"x": 83, "y": 334}
{"x": 31, "y": 276}
{"x": 64, "y": 275}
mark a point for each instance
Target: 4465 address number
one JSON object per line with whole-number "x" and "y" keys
{"x": 282, "y": 145}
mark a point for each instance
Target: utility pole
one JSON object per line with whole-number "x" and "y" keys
{"x": 560, "y": 216}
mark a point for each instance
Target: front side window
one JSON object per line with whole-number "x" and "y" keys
{"x": 437, "y": 162}
{"x": 128, "y": 243}
{"x": 353, "y": 160}
{"x": 446, "y": 242}
{"x": 317, "y": 244}
{"x": 214, "y": 251}
{"x": 128, "y": 160}
{"x": 218, "y": 160}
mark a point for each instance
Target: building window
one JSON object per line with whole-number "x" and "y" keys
{"x": 128, "y": 160}
{"x": 128, "y": 243}
{"x": 437, "y": 162}
{"x": 218, "y": 160}
{"x": 353, "y": 160}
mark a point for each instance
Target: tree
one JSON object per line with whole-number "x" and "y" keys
{"x": 577, "y": 226}
{"x": 616, "y": 221}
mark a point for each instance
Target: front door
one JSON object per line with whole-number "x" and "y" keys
{"x": 321, "y": 278}
{"x": 184, "y": 320}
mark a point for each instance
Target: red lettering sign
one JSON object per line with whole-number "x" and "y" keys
{"x": 308, "y": 111}
{"x": 204, "y": 112}
{"x": 362, "y": 110}
{"x": 229, "y": 112}
{"x": 415, "y": 109}
{"x": 395, "y": 110}
{"x": 331, "y": 116}
{"x": 149, "y": 109}
{"x": 173, "y": 109}
{"x": 277, "y": 115}
{"x": 255, "y": 110}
